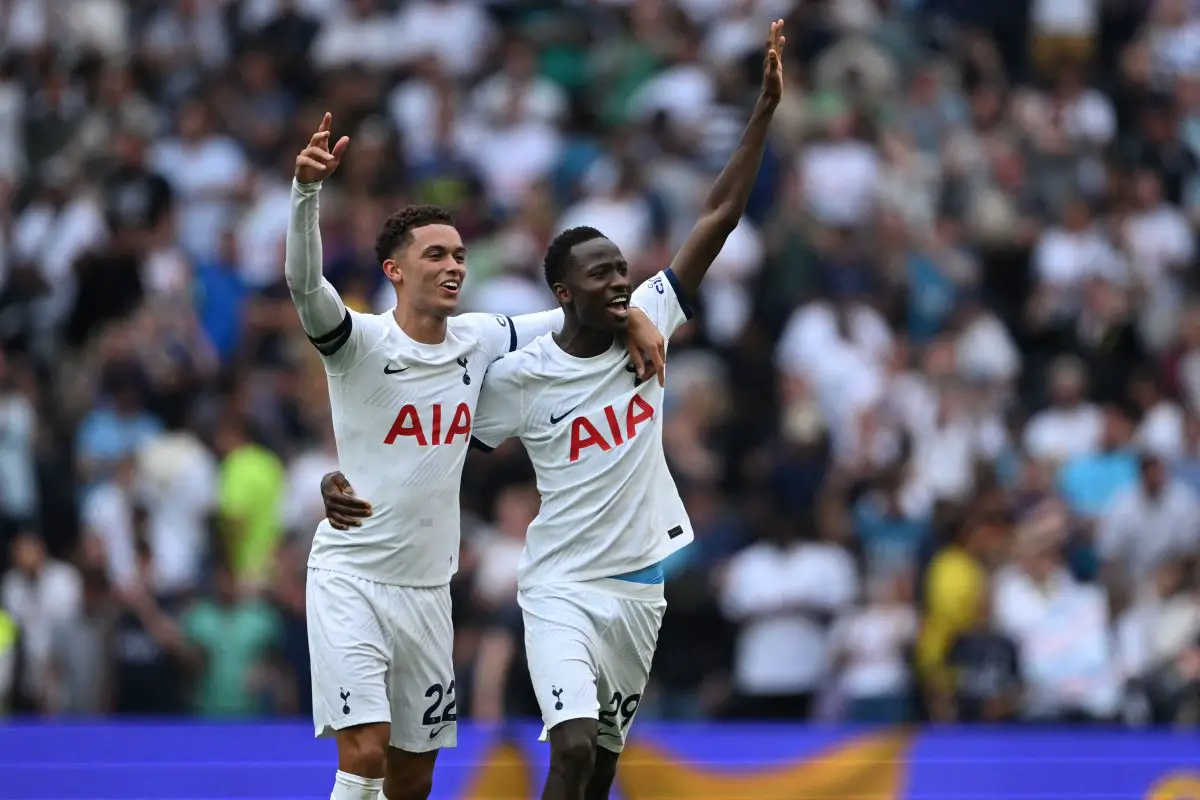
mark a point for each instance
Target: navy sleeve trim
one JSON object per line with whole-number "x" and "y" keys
{"x": 333, "y": 341}
{"x": 480, "y": 446}
{"x": 512, "y": 335}
{"x": 684, "y": 305}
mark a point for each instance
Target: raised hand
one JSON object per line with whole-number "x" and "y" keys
{"x": 772, "y": 87}
{"x": 318, "y": 161}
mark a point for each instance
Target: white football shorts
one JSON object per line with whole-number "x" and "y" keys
{"x": 589, "y": 646}
{"x": 382, "y": 653}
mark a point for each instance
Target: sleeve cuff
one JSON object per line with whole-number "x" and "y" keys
{"x": 480, "y": 446}
{"x": 684, "y": 305}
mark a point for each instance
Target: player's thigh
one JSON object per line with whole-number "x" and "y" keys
{"x": 561, "y": 643}
{"x": 424, "y": 697}
{"x": 349, "y": 653}
{"x": 629, "y": 644}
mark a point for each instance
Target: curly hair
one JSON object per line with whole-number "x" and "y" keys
{"x": 558, "y": 254}
{"x": 398, "y": 228}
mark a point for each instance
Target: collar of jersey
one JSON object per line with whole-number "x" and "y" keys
{"x": 555, "y": 351}
{"x": 420, "y": 347}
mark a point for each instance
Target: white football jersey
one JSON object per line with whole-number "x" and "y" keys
{"x": 403, "y": 413}
{"x": 609, "y": 504}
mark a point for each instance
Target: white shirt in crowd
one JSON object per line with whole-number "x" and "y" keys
{"x": 38, "y": 604}
{"x": 1141, "y": 532}
{"x": 52, "y": 240}
{"x": 848, "y": 376}
{"x": 1058, "y": 434}
{"x": 626, "y": 221}
{"x": 1163, "y": 431}
{"x": 872, "y": 640}
{"x": 985, "y": 351}
{"x": 1154, "y": 630}
{"x": 510, "y": 294}
{"x": 205, "y": 174}
{"x": 1064, "y": 260}
{"x": 107, "y": 515}
{"x": 839, "y": 181}
{"x": 420, "y": 32}
{"x": 594, "y": 435}
{"x": 1065, "y": 17}
{"x": 262, "y": 231}
{"x": 176, "y": 482}
{"x": 499, "y": 564}
{"x": 18, "y": 478}
{"x": 1157, "y": 241}
{"x": 1062, "y": 634}
{"x": 348, "y": 39}
{"x": 727, "y": 300}
{"x": 684, "y": 93}
{"x": 780, "y": 649}
{"x": 304, "y": 508}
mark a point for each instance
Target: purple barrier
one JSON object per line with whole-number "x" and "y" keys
{"x": 198, "y": 761}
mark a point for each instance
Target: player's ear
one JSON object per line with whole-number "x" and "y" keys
{"x": 392, "y": 270}
{"x": 562, "y": 293}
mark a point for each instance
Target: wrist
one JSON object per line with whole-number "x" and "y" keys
{"x": 305, "y": 188}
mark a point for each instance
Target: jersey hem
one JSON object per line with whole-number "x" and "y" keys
{"x": 650, "y": 592}
{"x": 370, "y": 579}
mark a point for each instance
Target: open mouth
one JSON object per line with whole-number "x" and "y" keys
{"x": 619, "y": 305}
{"x": 450, "y": 286}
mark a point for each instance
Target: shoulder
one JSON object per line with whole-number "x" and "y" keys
{"x": 366, "y": 330}
{"x": 492, "y": 332}
{"x": 663, "y": 283}
{"x": 480, "y": 323}
{"x": 370, "y": 322}
{"x": 515, "y": 367}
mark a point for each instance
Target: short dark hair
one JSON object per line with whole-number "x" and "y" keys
{"x": 398, "y": 228}
{"x": 558, "y": 254}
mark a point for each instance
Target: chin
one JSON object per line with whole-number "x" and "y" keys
{"x": 446, "y": 305}
{"x": 610, "y": 323}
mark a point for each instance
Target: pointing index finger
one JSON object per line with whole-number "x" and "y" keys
{"x": 326, "y": 121}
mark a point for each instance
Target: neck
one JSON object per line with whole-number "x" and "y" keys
{"x": 420, "y": 327}
{"x": 581, "y": 342}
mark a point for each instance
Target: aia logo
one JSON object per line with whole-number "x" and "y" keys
{"x": 621, "y": 427}
{"x": 433, "y": 429}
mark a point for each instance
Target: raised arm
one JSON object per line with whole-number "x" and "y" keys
{"x": 323, "y": 315}
{"x": 727, "y": 199}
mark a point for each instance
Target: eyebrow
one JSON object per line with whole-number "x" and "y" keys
{"x": 434, "y": 248}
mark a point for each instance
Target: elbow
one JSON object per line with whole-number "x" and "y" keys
{"x": 294, "y": 284}
{"x": 722, "y": 218}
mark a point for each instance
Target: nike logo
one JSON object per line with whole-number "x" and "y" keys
{"x": 433, "y": 734}
{"x": 555, "y": 420}
{"x": 388, "y": 370}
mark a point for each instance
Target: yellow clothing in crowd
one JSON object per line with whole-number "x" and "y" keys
{"x": 954, "y": 585}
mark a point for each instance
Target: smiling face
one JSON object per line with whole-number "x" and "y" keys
{"x": 428, "y": 269}
{"x": 596, "y": 284}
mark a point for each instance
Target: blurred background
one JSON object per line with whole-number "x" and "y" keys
{"x": 936, "y": 423}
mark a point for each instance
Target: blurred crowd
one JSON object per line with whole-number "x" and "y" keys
{"x": 937, "y": 424}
